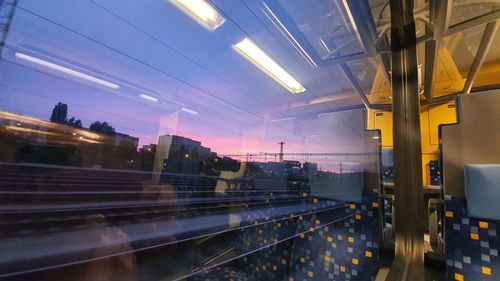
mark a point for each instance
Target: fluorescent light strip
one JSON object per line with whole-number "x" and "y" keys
{"x": 283, "y": 119}
{"x": 201, "y": 11}
{"x": 187, "y": 110}
{"x": 66, "y": 70}
{"x": 259, "y": 58}
{"x": 149, "y": 98}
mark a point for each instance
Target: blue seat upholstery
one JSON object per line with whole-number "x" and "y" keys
{"x": 472, "y": 223}
{"x": 472, "y": 244}
{"x": 482, "y": 191}
{"x": 338, "y": 245}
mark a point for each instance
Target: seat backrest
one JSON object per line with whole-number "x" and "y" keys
{"x": 471, "y": 241}
{"x": 482, "y": 191}
{"x": 474, "y": 140}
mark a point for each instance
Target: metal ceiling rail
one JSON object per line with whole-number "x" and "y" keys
{"x": 431, "y": 56}
{"x": 438, "y": 12}
{"x": 439, "y": 100}
{"x": 364, "y": 26}
{"x": 446, "y": 16}
{"x": 482, "y": 52}
{"x": 362, "y": 18}
{"x": 440, "y": 17}
{"x": 358, "y": 90}
{"x": 484, "y": 19}
{"x": 445, "y": 30}
{"x": 362, "y": 21}
{"x": 347, "y": 58}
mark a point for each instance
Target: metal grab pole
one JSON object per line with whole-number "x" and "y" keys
{"x": 409, "y": 212}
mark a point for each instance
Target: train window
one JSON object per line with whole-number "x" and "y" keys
{"x": 241, "y": 140}
{"x": 179, "y": 140}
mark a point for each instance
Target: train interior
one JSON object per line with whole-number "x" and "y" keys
{"x": 250, "y": 140}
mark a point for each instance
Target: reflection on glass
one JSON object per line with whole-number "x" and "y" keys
{"x": 194, "y": 168}
{"x": 489, "y": 74}
{"x": 371, "y": 76}
{"x": 463, "y": 10}
{"x": 97, "y": 188}
{"x": 201, "y": 11}
{"x": 66, "y": 70}
{"x": 257, "y": 56}
{"x": 326, "y": 25}
{"x": 455, "y": 57}
{"x": 381, "y": 12}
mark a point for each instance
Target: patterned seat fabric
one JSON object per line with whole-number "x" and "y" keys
{"x": 331, "y": 240}
{"x": 340, "y": 245}
{"x": 471, "y": 244}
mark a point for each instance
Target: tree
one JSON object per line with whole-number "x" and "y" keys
{"x": 59, "y": 113}
{"x": 103, "y": 127}
{"x": 75, "y": 122}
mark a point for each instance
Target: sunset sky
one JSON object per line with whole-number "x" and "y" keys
{"x": 204, "y": 89}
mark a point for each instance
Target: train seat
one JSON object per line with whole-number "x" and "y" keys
{"x": 471, "y": 190}
{"x": 341, "y": 244}
{"x": 482, "y": 191}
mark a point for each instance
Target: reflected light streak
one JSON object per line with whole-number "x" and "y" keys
{"x": 28, "y": 130}
{"x": 201, "y": 11}
{"x": 283, "y": 119}
{"x": 90, "y": 141}
{"x": 187, "y": 110}
{"x": 149, "y": 98}
{"x": 87, "y": 134}
{"x": 26, "y": 119}
{"x": 259, "y": 58}
{"x": 66, "y": 70}
{"x": 40, "y": 132}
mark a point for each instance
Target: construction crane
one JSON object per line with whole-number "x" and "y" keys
{"x": 281, "y": 154}
{"x": 300, "y": 154}
{"x": 281, "y": 150}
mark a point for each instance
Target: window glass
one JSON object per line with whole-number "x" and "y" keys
{"x": 488, "y": 76}
{"x": 455, "y": 57}
{"x": 138, "y": 143}
{"x": 464, "y": 10}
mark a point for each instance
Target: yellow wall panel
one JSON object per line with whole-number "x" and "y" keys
{"x": 430, "y": 119}
{"x": 424, "y": 131}
{"x": 440, "y": 114}
{"x": 383, "y": 121}
{"x": 488, "y": 75}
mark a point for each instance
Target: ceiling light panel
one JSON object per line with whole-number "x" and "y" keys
{"x": 264, "y": 62}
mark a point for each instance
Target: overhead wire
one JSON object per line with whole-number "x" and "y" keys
{"x": 188, "y": 117}
{"x": 155, "y": 68}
